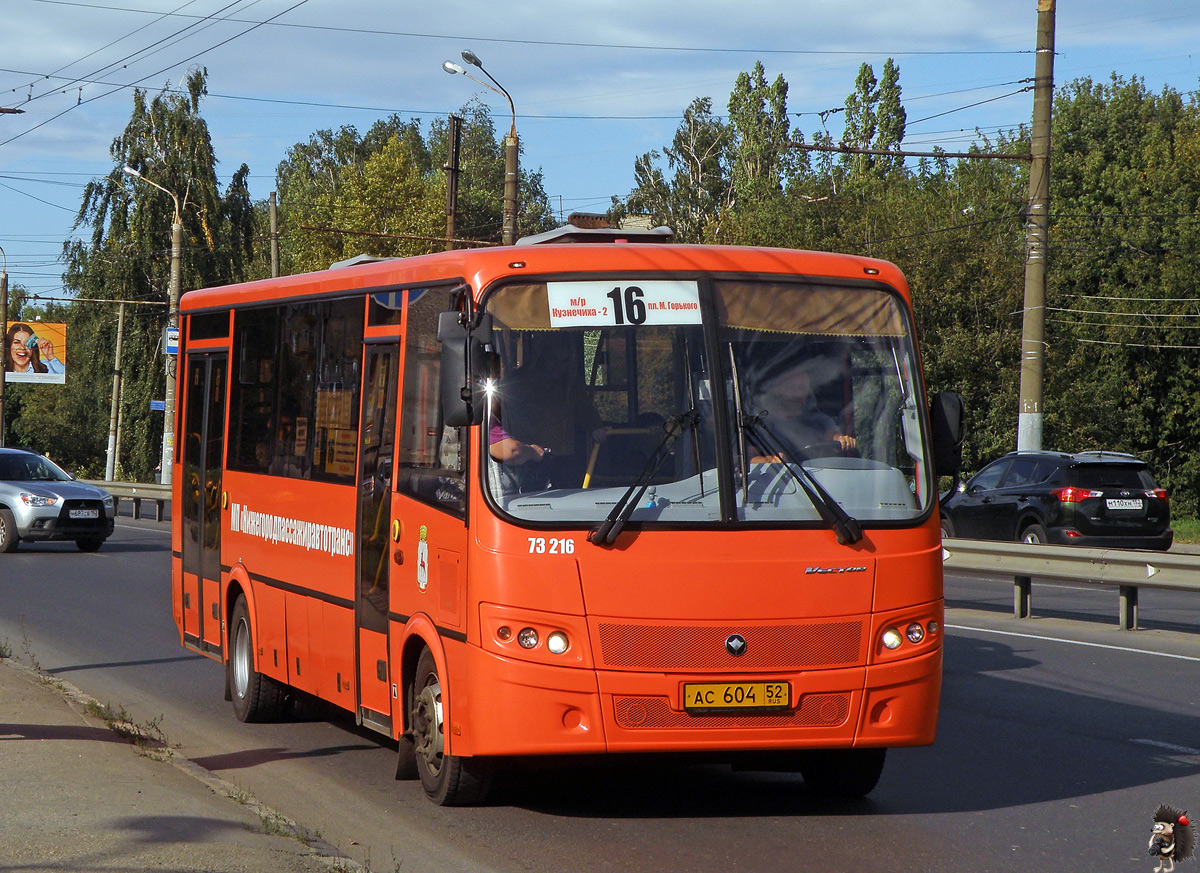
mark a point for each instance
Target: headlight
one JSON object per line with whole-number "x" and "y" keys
{"x": 892, "y": 638}
{"x": 557, "y": 643}
{"x": 915, "y": 633}
{"x": 528, "y": 638}
{"x": 108, "y": 501}
{"x": 37, "y": 500}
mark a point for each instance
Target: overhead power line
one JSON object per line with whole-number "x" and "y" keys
{"x": 458, "y": 37}
{"x": 898, "y": 153}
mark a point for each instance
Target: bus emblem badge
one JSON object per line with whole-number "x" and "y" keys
{"x": 735, "y": 644}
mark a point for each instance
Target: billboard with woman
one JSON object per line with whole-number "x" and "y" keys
{"x": 35, "y": 352}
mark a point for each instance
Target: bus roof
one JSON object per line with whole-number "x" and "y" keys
{"x": 480, "y": 267}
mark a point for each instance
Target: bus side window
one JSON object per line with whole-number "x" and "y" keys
{"x": 432, "y": 459}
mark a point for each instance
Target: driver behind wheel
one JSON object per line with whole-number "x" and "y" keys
{"x": 793, "y": 417}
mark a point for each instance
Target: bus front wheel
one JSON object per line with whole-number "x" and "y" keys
{"x": 448, "y": 780}
{"x": 256, "y": 698}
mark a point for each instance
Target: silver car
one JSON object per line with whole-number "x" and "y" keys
{"x": 39, "y": 501}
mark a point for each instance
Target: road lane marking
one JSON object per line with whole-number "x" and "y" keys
{"x": 1170, "y": 747}
{"x": 983, "y": 630}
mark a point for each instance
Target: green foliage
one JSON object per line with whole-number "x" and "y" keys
{"x": 125, "y": 254}
{"x": 384, "y": 193}
{"x": 1123, "y": 326}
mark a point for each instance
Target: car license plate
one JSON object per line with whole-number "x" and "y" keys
{"x": 1123, "y": 504}
{"x": 85, "y": 513}
{"x": 716, "y": 696}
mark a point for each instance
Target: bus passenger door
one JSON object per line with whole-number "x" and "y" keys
{"x": 203, "y": 457}
{"x": 378, "y": 432}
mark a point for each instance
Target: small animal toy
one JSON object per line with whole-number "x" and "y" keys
{"x": 1173, "y": 838}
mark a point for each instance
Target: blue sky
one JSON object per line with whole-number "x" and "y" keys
{"x": 595, "y": 84}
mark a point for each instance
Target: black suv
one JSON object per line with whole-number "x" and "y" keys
{"x": 1098, "y": 499}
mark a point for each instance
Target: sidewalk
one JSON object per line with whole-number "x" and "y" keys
{"x": 76, "y": 796}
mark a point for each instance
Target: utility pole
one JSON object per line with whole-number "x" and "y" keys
{"x": 168, "y": 448}
{"x": 274, "y": 236}
{"x": 453, "y": 146}
{"x": 110, "y": 465}
{"x": 1033, "y": 328}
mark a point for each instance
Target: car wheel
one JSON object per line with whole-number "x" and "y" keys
{"x": 89, "y": 544}
{"x": 448, "y": 780}
{"x": 947, "y": 527}
{"x": 843, "y": 772}
{"x": 8, "y": 531}
{"x": 256, "y": 698}
{"x": 1035, "y": 534}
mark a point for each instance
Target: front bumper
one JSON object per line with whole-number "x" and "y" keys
{"x": 38, "y": 524}
{"x": 555, "y": 710}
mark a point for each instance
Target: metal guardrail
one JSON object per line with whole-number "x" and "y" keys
{"x": 137, "y": 492}
{"x": 1125, "y": 569}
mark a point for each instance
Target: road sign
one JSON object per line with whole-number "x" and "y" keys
{"x": 171, "y": 341}
{"x": 158, "y": 406}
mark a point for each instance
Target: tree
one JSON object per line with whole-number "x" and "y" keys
{"x": 760, "y": 159}
{"x": 698, "y": 187}
{"x": 126, "y": 256}
{"x": 384, "y": 193}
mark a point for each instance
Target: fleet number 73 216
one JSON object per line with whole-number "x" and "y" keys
{"x": 551, "y": 546}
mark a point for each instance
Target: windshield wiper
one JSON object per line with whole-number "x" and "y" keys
{"x": 608, "y": 530}
{"x": 844, "y": 525}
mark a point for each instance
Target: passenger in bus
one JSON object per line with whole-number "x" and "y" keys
{"x": 794, "y": 418}
{"x": 544, "y": 422}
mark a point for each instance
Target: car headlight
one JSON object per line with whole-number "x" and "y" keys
{"x": 37, "y": 499}
{"x": 108, "y": 501}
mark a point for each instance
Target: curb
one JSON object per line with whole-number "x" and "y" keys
{"x": 152, "y": 744}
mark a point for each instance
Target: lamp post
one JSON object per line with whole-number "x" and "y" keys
{"x": 511, "y": 144}
{"x": 168, "y": 444}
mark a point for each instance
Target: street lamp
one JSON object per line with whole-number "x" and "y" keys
{"x": 168, "y": 444}
{"x": 509, "y": 232}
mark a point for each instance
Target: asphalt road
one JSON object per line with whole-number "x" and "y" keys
{"x": 1058, "y": 737}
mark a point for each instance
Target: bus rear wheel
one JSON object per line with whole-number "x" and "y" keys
{"x": 843, "y": 772}
{"x": 256, "y": 698}
{"x": 448, "y": 780}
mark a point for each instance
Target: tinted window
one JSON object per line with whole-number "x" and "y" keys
{"x": 1024, "y": 471}
{"x": 990, "y": 477}
{"x": 431, "y": 462}
{"x": 209, "y": 325}
{"x": 295, "y": 390}
{"x": 1101, "y": 476}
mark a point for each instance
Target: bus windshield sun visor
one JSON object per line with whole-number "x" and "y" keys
{"x": 608, "y": 530}
{"x": 847, "y": 528}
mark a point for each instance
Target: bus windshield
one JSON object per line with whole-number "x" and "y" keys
{"x": 708, "y": 401}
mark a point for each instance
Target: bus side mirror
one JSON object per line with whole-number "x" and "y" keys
{"x": 946, "y": 421}
{"x": 464, "y": 365}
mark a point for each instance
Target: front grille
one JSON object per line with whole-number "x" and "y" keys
{"x": 65, "y": 520}
{"x": 768, "y": 647}
{"x": 815, "y": 710}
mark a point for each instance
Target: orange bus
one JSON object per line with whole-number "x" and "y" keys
{"x": 595, "y": 493}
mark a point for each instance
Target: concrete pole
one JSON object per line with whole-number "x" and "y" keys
{"x": 1033, "y": 345}
{"x": 511, "y": 147}
{"x": 110, "y": 464}
{"x": 168, "y": 447}
{"x": 453, "y": 146}
{"x": 274, "y": 236}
